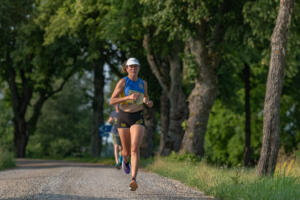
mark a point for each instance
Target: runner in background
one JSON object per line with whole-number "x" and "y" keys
{"x": 113, "y": 120}
{"x": 131, "y": 93}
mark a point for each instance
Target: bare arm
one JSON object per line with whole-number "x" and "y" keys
{"x": 115, "y": 97}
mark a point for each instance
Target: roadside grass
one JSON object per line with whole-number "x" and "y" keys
{"x": 6, "y": 159}
{"x": 229, "y": 183}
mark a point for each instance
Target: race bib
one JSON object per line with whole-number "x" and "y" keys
{"x": 139, "y": 100}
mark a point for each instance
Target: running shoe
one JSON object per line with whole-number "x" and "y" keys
{"x": 133, "y": 184}
{"x": 118, "y": 165}
{"x": 126, "y": 167}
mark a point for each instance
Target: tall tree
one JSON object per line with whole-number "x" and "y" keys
{"x": 29, "y": 68}
{"x": 161, "y": 74}
{"x": 164, "y": 48}
{"x": 201, "y": 27}
{"x": 247, "y": 152}
{"x": 206, "y": 45}
{"x": 83, "y": 21}
{"x": 271, "y": 127}
{"x": 173, "y": 92}
{"x": 98, "y": 101}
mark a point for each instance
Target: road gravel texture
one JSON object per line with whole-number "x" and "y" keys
{"x": 52, "y": 180}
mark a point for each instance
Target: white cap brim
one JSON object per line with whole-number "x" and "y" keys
{"x": 132, "y": 61}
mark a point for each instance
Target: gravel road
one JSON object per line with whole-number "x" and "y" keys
{"x": 40, "y": 179}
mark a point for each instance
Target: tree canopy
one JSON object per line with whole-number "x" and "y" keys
{"x": 193, "y": 54}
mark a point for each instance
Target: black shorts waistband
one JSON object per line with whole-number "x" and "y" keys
{"x": 133, "y": 113}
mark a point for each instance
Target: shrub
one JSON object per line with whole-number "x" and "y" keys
{"x": 185, "y": 157}
{"x": 34, "y": 150}
{"x": 60, "y": 148}
{"x": 6, "y": 159}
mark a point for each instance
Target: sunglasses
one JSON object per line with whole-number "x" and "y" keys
{"x": 132, "y": 66}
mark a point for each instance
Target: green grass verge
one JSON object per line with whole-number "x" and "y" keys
{"x": 6, "y": 160}
{"x": 226, "y": 183}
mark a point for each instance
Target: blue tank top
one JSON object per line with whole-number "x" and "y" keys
{"x": 134, "y": 87}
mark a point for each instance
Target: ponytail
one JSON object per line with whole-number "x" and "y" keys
{"x": 124, "y": 67}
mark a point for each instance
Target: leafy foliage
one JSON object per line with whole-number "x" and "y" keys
{"x": 65, "y": 125}
{"x": 6, "y": 159}
{"x": 186, "y": 157}
{"x": 6, "y": 127}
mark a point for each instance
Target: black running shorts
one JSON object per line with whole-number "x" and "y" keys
{"x": 128, "y": 119}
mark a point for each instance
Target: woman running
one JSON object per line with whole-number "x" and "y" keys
{"x": 131, "y": 92}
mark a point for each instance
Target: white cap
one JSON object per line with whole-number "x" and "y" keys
{"x": 132, "y": 61}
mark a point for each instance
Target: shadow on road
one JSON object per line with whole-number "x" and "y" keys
{"x": 43, "y": 164}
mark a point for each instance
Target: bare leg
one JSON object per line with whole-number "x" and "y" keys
{"x": 125, "y": 140}
{"x": 136, "y": 133}
{"x": 119, "y": 150}
{"x": 116, "y": 152}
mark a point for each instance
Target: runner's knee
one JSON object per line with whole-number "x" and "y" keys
{"x": 125, "y": 153}
{"x": 134, "y": 149}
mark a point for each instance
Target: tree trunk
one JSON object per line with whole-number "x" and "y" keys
{"x": 201, "y": 101}
{"x": 172, "y": 132}
{"x": 98, "y": 100}
{"x": 23, "y": 129}
{"x": 164, "y": 120}
{"x": 202, "y": 96}
{"x": 271, "y": 126}
{"x": 150, "y": 123}
{"x": 178, "y": 107}
{"x": 247, "y": 153}
{"x": 21, "y": 136}
{"x": 20, "y": 102}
